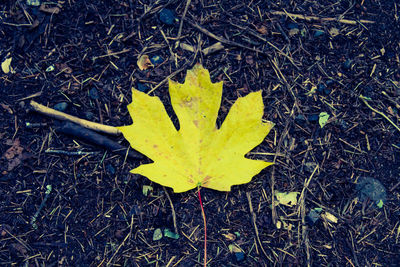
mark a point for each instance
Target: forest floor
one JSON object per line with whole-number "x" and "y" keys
{"x": 65, "y": 201}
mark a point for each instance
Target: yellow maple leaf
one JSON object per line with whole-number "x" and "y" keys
{"x": 198, "y": 154}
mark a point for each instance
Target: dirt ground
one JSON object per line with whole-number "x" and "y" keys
{"x": 65, "y": 201}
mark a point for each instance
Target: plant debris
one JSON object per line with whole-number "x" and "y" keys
{"x": 307, "y": 57}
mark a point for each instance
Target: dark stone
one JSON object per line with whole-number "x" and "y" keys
{"x": 347, "y": 64}
{"x": 313, "y": 216}
{"x": 142, "y": 87}
{"x": 156, "y": 60}
{"x": 167, "y": 16}
{"x": 323, "y": 89}
{"x": 134, "y": 211}
{"x": 61, "y": 106}
{"x": 110, "y": 169}
{"x": 93, "y": 93}
{"x": 371, "y": 188}
{"x": 313, "y": 117}
{"x": 88, "y": 115}
{"x": 239, "y": 256}
{"x": 318, "y": 33}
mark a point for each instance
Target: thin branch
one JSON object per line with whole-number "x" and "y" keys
{"x": 379, "y": 112}
{"x": 315, "y": 18}
{"x": 66, "y": 117}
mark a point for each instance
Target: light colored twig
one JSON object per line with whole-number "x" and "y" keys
{"x": 173, "y": 210}
{"x": 315, "y": 18}
{"x": 66, "y": 117}
{"x": 379, "y": 112}
{"x": 181, "y": 23}
{"x": 167, "y": 78}
{"x": 253, "y": 220}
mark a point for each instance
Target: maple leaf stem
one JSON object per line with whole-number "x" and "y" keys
{"x": 205, "y": 227}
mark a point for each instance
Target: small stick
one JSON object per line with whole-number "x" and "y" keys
{"x": 167, "y": 78}
{"x": 95, "y": 138}
{"x": 302, "y": 212}
{"x": 232, "y": 43}
{"x": 173, "y": 210}
{"x": 311, "y": 18}
{"x": 66, "y": 117}
{"x": 68, "y": 153}
{"x": 380, "y": 113}
{"x": 223, "y": 40}
{"x": 34, "y": 217}
{"x": 181, "y": 23}
{"x": 212, "y": 48}
{"x": 253, "y": 220}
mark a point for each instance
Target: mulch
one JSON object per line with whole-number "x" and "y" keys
{"x": 80, "y": 206}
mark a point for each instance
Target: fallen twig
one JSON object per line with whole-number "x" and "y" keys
{"x": 253, "y": 220}
{"x": 66, "y": 117}
{"x": 34, "y": 217}
{"x": 69, "y": 153}
{"x": 95, "y": 138}
{"x": 379, "y": 112}
{"x": 167, "y": 78}
{"x": 223, "y": 40}
{"x": 302, "y": 212}
{"x": 313, "y": 18}
{"x": 172, "y": 209}
{"x": 181, "y": 23}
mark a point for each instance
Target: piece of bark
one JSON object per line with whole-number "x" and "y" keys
{"x": 88, "y": 135}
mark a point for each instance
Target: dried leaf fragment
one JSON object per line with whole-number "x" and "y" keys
{"x": 5, "y": 65}
{"x": 50, "y": 10}
{"x": 287, "y": 199}
{"x": 144, "y": 62}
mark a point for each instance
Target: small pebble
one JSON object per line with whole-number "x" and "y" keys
{"x": 313, "y": 117}
{"x": 110, "y": 168}
{"x": 156, "y": 60}
{"x": 61, "y": 106}
{"x": 135, "y": 210}
{"x": 371, "y": 188}
{"x": 321, "y": 88}
{"x": 93, "y": 93}
{"x": 167, "y": 16}
{"x": 293, "y": 26}
{"x": 88, "y": 115}
{"x": 142, "y": 87}
{"x": 347, "y": 64}
{"x": 293, "y": 32}
{"x": 239, "y": 256}
{"x": 318, "y": 33}
{"x": 313, "y": 216}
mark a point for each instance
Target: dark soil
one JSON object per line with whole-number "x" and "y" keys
{"x": 85, "y": 54}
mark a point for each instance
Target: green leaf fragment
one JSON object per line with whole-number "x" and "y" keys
{"x": 287, "y": 199}
{"x": 147, "y": 189}
{"x": 170, "y": 234}
{"x": 323, "y": 118}
{"x": 50, "y": 68}
{"x": 157, "y": 235}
